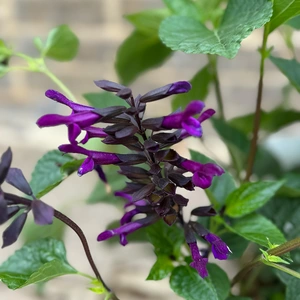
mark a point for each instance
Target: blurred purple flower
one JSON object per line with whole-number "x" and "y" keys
{"x": 219, "y": 249}
{"x": 202, "y": 173}
{"x": 199, "y": 263}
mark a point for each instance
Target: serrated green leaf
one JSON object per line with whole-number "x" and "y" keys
{"x": 290, "y": 68}
{"x": 257, "y": 229}
{"x": 294, "y": 22}
{"x": 148, "y": 21}
{"x": 187, "y": 283}
{"x": 47, "y": 174}
{"x": 104, "y": 99}
{"x": 167, "y": 240}
{"x": 249, "y": 197}
{"x": 200, "y": 83}
{"x": 61, "y": 44}
{"x": 271, "y": 121}
{"x": 283, "y": 10}
{"x": 139, "y": 53}
{"x": 239, "y": 20}
{"x": 35, "y": 262}
{"x": 221, "y": 186}
{"x": 186, "y": 8}
{"x": 161, "y": 268}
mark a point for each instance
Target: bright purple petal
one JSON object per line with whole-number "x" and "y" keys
{"x": 202, "y": 180}
{"x": 58, "y": 97}
{"x": 193, "y": 108}
{"x": 87, "y": 166}
{"x": 179, "y": 87}
{"x": 73, "y": 132}
{"x": 219, "y": 249}
{"x": 206, "y": 115}
{"x": 199, "y": 263}
{"x": 192, "y": 126}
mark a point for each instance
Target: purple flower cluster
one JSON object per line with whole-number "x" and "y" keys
{"x": 154, "y": 170}
{"x": 11, "y": 204}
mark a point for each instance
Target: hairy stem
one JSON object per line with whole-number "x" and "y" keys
{"x": 75, "y": 227}
{"x": 257, "y": 117}
{"x": 277, "y": 251}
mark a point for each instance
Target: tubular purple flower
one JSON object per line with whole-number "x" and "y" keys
{"x": 184, "y": 119}
{"x": 219, "y": 249}
{"x": 178, "y": 87}
{"x": 93, "y": 132}
{"x": 58, "y": 97}
{"x": 203, "y": 173}
{"x": 199, "y": 263}
{"x": 93, "y": 157}
{"x": 203, "y": 116}
{"x": 126, "y": 229}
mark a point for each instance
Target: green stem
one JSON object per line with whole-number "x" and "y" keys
{"x": 86, "y": 276}
{"x": 58, "y": 82}
{"x": 277, "y": 251}
{"x": 215, "y": 77}
{"x": 256, "y": 122}
{"x": 282, "y": 268}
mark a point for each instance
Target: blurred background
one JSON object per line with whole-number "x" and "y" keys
{"x": 101, "y": 28}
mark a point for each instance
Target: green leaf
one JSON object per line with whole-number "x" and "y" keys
{"x": 148, "y": 21}
{"x": 265, "y": 163}
{"x": 294, "y": 22}
{"x": 238, "y": 298}
{"x": 105, "y": 193}
{"x": 271, "y": 121}
{"x": 283, "y": 10}
{"x": 167, "y": 240}
{"x": 221, "y": 186}
{"x": 104, "y": 99}
{"x": 249, "y": 197}
{"x": 32, "y": 231}
{"x": 161, "y": 269}
{"x": 200, "y": 83}
{"x": 273, "y": 258}
{"x": 47, "y": 172}
{"x": 290, "y": 68}
{"x": 187, "y": 283}
{"x": 239, "y": 20}
{"x": 292, "y": 285}
{"x": 291, "y": 187}
{"x": 284, "y": 212}
{"x": 35, "y": 262}
{"x": 186, "y": 8}
{"x": 139, "y": 53}
{"x": 257, "y": 229}
{"x": 38, "y": 43}
{"x": 61, "y": 44}
{"x": 5, "y": 52}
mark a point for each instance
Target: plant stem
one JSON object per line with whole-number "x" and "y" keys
{"x": 257, "y": 117}
{"x": 282, "y": 268}
{"x": 215, "y": 77}
{"x": 277, "y": 251}
{"x": 75, "y": 227}
{"x": 59, "y": 83}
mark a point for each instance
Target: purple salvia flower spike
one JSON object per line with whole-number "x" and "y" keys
{"x": 87, "y": 166}
{"x": 219, "y": 249}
